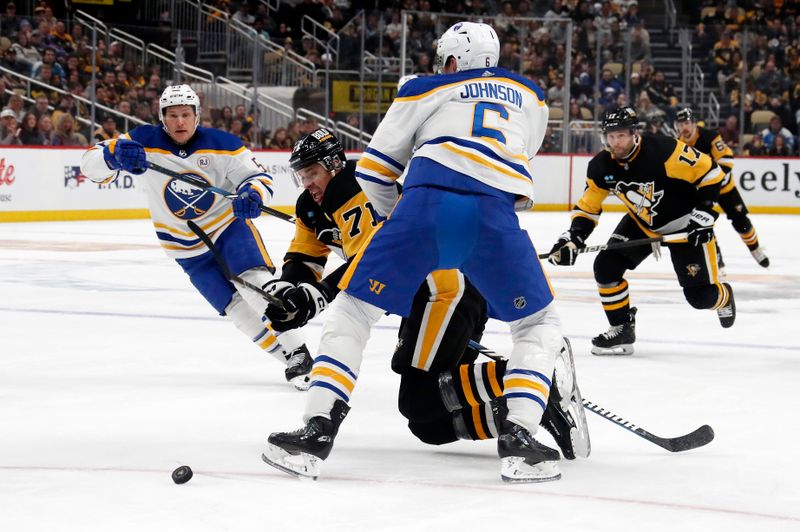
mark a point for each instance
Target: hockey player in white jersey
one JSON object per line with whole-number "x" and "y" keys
{"x": 221, "y": 160}
{"x": 467, "y": 136}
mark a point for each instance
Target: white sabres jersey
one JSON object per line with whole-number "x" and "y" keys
{"x": 484, "y": 123}
{"x": 214, "y": 156}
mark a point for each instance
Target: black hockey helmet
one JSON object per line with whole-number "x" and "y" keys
{"x": 320, "y": 146}
{"x": 686, "y": 115}
{"x": 619, "y": 119}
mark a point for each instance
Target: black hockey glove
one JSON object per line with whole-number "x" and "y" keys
{"x": 701, "y": 227}
{"x": 302, "y": 303}
{"x": 565, "y": 251}
{"x": 277, "y": 288}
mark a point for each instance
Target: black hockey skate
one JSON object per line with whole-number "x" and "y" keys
{"x": 300, "y": 452}
{"x": 618, "y": 339}
{"x": 760, "y": 256}
{"x": 298, "y": 368}
{"x": 564, "y": 417}
{"x": 523, "y": 459}
{"x": 727, "y": 314}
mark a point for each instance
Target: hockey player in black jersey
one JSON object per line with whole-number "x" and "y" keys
{"x": 710, "y": 142}
{"x": 667, "y": 187}
{"x": 444, "y": 393}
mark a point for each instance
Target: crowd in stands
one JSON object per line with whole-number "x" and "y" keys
{"x": 755, "y": 45}
{"x": 60, "y": 57}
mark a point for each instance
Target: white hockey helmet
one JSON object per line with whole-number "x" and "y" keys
{"x": 473, "y": 44}
{"x": 179, "y": 95}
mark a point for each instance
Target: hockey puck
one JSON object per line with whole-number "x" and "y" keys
{"x": 182, "y": 475}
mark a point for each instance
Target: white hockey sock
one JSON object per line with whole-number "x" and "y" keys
{"x": 249, "y": 322}
{"x": 527, "y": 381}
{"x": 345, "y": 332}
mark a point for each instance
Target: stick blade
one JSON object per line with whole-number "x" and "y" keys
{"x": 698, "y": 438}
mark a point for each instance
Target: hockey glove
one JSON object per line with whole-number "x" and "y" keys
{"x": 701, "y": 227}
{"x": 127, "y": 155}
{"x": 247, "y": 203}
{"x": 302, "y": 304}
{"x": 277, "y": 288}
{"x": 565, "y": 251}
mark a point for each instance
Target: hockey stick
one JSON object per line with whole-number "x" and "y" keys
{"x": 696, "y": 438}
{"x": 200, "y": 183}
{"x": 220, "y": 260}
{"x": 675, "y": 237}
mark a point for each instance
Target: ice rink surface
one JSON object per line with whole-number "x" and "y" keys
{"x": 114, "y": 371}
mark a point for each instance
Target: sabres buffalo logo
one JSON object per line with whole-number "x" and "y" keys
{"x": 640, "y": 198}
{"x": 187, "y": 201}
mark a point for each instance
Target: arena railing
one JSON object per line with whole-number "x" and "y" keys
{"x": 352, "y": 138}
{"x": 322, "y": 36}
{"x": 31, "y": 83}
{"x": 133, "y": 48}
{"x": 172, "y": 70}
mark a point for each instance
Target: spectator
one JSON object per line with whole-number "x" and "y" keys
{"x": 236, "y": 129}
{"x": 27, "y": 54}
{"x": 61, "y": 38}
{"x": 776, "y": 129}
{"x": 662, "y": 94}
{"x": 640, "y": 43}
{"x": 280, "y": 140}
{"x": 107, "y": 131}
{"x": 45, "y": 128}
{"x": 755, "y": 147}
{"x": 49, "y": 58}
{"x": 65, "y": 134}
{"x": 30, "y": 135}
{"x": 779, "y": 147}
{"x": 11, "y": 62}
{"x": 244, "y": 118}
{"x": 243, "y": 15}
{"x": 556, "y": 93}
{"x": 9, "y": 20}
{"x": 17, "y": 105}
{"x": 227, "y": 117}
{"x": 9, "y": 131}
{"x": 609, "y": 87}
{"x": 729, "y": 132}
{"x": 41, "y": 107}
{"x": 636, "y": 86}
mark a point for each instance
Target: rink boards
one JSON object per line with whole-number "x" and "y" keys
{"x": 38, "y": 184}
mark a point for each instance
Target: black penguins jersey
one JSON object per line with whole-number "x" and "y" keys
{"x": 342, "y": 223}
{"x": 660, "y": 184}
{"x": 710, "y": 142}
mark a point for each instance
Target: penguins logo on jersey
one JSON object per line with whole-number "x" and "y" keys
{"x": 693, "y": 269}
{"x": 640, "y": 198}
{"x": 187, "y": 201}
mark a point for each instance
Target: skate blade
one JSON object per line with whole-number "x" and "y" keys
{"x": 572, "y": 402}
{"x": 302, "y": 466}
{"x": 619, "y": 350}
{"x": 301, "y": 383}
{"x": 514, "y": 469}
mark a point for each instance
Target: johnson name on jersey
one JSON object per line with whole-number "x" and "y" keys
{"x": 659, "y": 185}
{"x": 484, "y": 123}
{"x": 214, "y": 156}
{"x": 342, "y": 223}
